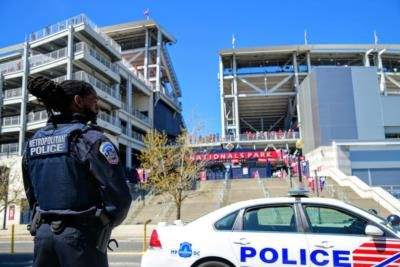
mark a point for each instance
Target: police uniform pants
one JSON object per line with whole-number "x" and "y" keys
{"x": 75, "y": 246}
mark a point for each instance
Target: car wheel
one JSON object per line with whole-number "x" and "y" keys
{"x": 213, "y": 264}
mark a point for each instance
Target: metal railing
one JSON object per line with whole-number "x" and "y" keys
{"x": 260, "y": 136}
{"x": 108, "y": 118}
{"x": 221, "y": 195}
{"x": 170, "y": 66}
{"x": 60, "y": 79}
{"x": 137, "y": 136}
{"x": 125, "y": 107}
{"x": 110, "y": 41}
{"x": 37, "y": 116}
{"x": 9, "y": 149}
{"x": 11, "y": 66}
{"x": 79, "y": 47}
{"x": 11, "y": 93}
{"x": 41, "y": 59}
{"x": 137, "y": 74}
{"x": 136, "y": 113}
{"x": 262, "y": 186}
{"x": 140, "y": 116}
{"x": 134, "y": 134}
{"x": 55, "y": 28}
{"x": 10, "y": 121}
{"x": 62, "y": 25}
{"x": 124, "y": 130}
{"x": 269, "y": 135}
{"x": 83, "y": 76}
{"x": 393, "y": 189}
{"x": 171, "y": 96}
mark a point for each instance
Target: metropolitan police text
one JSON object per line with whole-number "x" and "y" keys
{"x": 47, "y": 145}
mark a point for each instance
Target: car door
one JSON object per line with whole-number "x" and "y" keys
{"x": 269, "y": 235}
{"x": 336, "y": 237}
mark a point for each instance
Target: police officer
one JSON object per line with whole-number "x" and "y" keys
{"x": 72, "y": 172}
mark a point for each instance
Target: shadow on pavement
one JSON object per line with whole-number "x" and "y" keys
{"x": 16, "y": 260}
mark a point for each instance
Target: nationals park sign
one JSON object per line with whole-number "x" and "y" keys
{"x": 260, "y": 155}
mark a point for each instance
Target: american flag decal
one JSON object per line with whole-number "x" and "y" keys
{"x": 378, "y": 253}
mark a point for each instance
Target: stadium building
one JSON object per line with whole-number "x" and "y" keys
{"x": 128, "y": 65}
{"x": 337, "y": 102}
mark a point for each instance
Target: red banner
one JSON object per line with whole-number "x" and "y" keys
{"x": 11, "y": 213}
{"x": 263, "y": 155}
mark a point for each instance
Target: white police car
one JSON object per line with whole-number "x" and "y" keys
{"x": 293, "y": 231}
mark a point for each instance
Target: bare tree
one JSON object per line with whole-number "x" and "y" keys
{"x": 173, "y": 170}
{"x": 4, "y": 182}
{"x": 11, "y": 186}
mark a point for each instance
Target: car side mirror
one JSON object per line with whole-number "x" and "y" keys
{"x": 372, "y": 230}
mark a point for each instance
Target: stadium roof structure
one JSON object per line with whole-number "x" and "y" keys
{"x": 259, "y": 85}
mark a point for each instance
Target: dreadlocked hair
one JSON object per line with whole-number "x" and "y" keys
{"x": 57, "y": 97}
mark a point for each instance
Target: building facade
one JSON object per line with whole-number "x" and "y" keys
{"x": 339, "y": 100}
{"x": 128, "y": 65}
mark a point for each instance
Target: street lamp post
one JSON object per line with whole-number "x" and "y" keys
{"x": 5, "y": 213}
{"x": 299, "y": 146}
{"x": 299, "y": 166}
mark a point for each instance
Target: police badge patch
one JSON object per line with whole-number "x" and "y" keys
{"x": 109, "y": 152}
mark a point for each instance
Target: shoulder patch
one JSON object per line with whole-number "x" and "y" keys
{"x": 109, "y": 152}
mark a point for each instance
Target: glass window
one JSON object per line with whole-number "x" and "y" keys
{"x": 226, "y": 223}
{"x": 270, "y": 219}
{"x": 332, "y": 221}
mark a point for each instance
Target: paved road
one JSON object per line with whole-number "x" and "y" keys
{"x": 128, "y": 254}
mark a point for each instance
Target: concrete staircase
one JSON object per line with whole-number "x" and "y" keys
{"x": 347, "y": 194}
{"x": 210, "y": 195}
{"x": 276, "y": 187}
{"x": 200, "y": 202}
{"x": 279, "y": 188}
{"x": 161, "y": 208}
{"x": 156, "y": 208}
{"x": 242, "y": 189}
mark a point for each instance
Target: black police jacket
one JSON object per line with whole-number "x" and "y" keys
{"x": 70, "y": 168}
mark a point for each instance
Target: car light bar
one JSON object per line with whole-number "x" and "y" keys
{"x": 298, "y": 193}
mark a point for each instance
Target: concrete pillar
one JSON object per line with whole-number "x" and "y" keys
{"x": 1, "y": 97}
{"x": 24, "y": 99}
{"x": 70, "y": 51}
{"x": 296, "y": 72}
{"x": 158, "y": 63}
{"x": 221, "y": 101}
{"x": 151, "y": 110}
{"x": 382, "y": 82}
{"x": 128, "y": 156}
{"x": 308, "y": 57}
{"x": 235, "y": 99}
{"x": 296, "y": 83}
{"x": 117, "y": 91}
{"x": 129, "y": 94}
{"x": 366, "y": 58}
{"x": 146, "y": 55}
{"x": 298, "y": 118}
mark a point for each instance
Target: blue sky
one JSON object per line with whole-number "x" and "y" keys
{"x": 204, "y": 27}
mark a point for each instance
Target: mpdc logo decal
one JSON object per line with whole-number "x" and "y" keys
{"x": 185, "y": 250}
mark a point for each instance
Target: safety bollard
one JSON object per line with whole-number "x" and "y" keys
{"x": 145, "y": 235}
{"x": 12, "y": 238}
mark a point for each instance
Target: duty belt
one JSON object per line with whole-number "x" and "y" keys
{"x": 58, "y": 223}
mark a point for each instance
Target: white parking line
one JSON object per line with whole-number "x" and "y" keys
{"x": 125, "y": 253}
{"x": 17, "y": 242}
{"x": 124, "y": 264}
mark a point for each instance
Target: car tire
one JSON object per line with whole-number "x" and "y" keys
{"x": 213, "y": 264}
